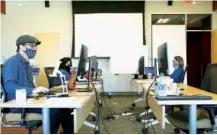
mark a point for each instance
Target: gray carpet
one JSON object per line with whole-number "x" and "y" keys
{"x": 123, "y": 124}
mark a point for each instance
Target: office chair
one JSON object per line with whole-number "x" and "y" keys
{"x": 183, "y": 75}
{"x": 181, "y": 107}
{"x": 206, "y": 114}
{"x": 139, "y": 118}
{"x": 30, "y": 121}
{"x": 147, "y": 70}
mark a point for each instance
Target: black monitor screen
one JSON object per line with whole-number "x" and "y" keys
{"x": 83, "y": 58}
{"x": 162, "y": 55}
{"x": 141, "y": 65}
{"x": 93, "y": 63}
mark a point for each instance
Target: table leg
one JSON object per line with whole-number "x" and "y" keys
{"x": 46, "y": 120}
{"x": 193, "y": 119}
{"x": 140, "y": 87}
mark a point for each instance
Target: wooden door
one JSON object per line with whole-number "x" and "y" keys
{"x": 198, "y": 56}
{"x": 214, "y": 46}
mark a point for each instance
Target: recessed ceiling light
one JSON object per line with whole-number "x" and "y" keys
{"x": 193, "y": 2}
{"x": 20, "y": 4}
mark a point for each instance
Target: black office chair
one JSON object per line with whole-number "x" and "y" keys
{"x": 30, "y": 121}
{"x": 181, "y": 107}
{"x": 183, "y": 75}
{"x": 48, "y": 71}
{"x": 206, "y": 114}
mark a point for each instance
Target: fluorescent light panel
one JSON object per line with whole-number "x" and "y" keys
{"x": 160, "y": 20}
{"x": 166, "y": 20}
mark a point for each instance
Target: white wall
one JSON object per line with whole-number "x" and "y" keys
{"x": 118, "y": 36}
{"x": 161, "y": 7}
{"x": 32, "y": 18}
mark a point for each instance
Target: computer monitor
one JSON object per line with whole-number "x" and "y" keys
{"x": 93, "y": 66}
{"x": 83, "y": 58}
{"x": 93, "y": 63}
{"x": 150, "y": 70}
{"x": 141, "y": 65}
{"x": 162, "y": 58}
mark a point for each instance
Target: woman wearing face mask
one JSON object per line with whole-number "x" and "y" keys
{"x": 178, "y": 64}
{"x": 64, "y": 68}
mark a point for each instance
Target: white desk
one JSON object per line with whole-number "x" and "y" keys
{"x": 158, "y": 107}
{"x": 141, "y": 82}
{"x": 82, "y": 104}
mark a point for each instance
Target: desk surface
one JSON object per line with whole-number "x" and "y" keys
{"x": 78, "y": 99}
{"x": 144, "y": 81}
{"x": 188, "y": 90}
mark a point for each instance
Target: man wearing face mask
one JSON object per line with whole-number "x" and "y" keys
{"x": 178, "y": 64}
{"x": 17, "y": 74}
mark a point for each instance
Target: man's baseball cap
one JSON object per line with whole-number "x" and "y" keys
{"x": 22, "y": 40}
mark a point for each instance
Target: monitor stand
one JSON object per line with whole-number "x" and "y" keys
{"x": 88, "y": 88}
{"x": 81, "y": 79}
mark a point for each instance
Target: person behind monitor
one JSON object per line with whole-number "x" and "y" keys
{"x": 178, "y": 65}
{"x": 64, "y": 68}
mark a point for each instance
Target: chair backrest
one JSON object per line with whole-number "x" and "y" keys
{"x": 150, "y": 70}
{"x": 48, "y": 71}
{"x": 183, "y": 75}
{"x": 209, "y": 81}
{"x": 2, "y": 94}
{"x": 2, "y": 91}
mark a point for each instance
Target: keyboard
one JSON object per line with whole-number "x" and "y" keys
{"x": 161, "y": 98}
{"x": 96, "y": 80}
{"x": 84, "y": 90}
{"x": 50, "y": 93}
{"x": 81, "y": 83}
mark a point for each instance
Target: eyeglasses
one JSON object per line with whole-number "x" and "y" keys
{"x": 31, "y": 46}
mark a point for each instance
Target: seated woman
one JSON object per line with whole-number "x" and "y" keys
{"x": 178, "y": 64}
{"x": 64, "y": 68}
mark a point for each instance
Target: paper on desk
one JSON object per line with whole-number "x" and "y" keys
{"x": 60, "y": 101}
